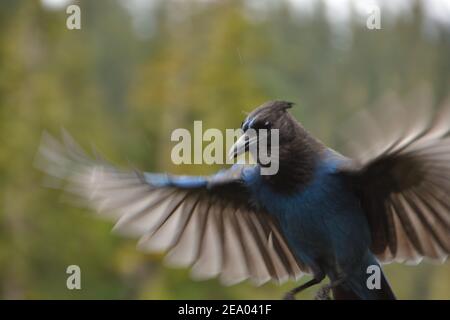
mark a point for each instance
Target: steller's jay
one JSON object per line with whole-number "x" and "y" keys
{"x": 321, "y": 213}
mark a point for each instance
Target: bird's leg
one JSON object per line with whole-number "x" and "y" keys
{"x": 324, "y": 292}
{"x": 291, "y": 294}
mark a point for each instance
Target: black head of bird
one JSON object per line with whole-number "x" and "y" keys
{"x": 296, "y": 150}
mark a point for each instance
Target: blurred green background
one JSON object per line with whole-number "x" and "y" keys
{"x": 139, "y": 69}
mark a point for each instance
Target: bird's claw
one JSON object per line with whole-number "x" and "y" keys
{"x": 289, "y": 296}
{"x": 323, "y": 293}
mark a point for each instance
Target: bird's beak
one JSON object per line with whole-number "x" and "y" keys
{"x": 242, "y": 145}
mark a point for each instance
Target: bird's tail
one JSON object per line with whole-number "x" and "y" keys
{"x": 365, "y": 285}
{"x": 343, "y": 292}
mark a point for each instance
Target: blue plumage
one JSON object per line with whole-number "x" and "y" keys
{"x": 323, "y": 222}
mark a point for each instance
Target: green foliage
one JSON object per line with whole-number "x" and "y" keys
{"x": 125, "y": 94}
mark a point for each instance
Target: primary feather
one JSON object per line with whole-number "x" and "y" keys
{"x": 208, "y": 223}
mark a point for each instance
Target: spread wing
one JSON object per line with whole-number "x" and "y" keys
{"x": 404, "y": 184}
{"x": 204, "y": 222}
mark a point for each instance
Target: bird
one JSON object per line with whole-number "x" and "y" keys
{"x": 322, "y": 213}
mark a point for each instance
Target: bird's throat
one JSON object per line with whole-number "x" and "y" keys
{"x": 297, "y": 164}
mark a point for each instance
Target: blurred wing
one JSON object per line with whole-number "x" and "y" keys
{"x": 404, "y": 186}
{"x": 203, "y": 222}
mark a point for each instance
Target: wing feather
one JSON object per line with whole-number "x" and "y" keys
{"x": 404, "y": 187}
{"x": 208, "y": 223}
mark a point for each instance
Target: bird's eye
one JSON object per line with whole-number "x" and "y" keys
{"x": 266, "y": 125}
{"x": 262, "y": 125}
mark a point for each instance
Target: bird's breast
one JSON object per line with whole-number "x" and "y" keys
{"x": 320, "y": 221}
